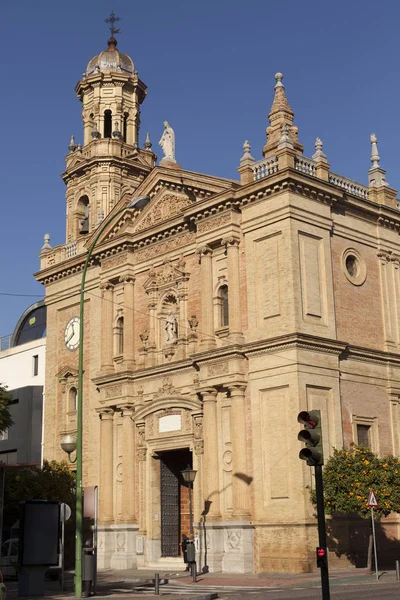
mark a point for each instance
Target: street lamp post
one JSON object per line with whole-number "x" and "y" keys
{"x": 189, "y": 475}
{"x": 138, "y": 203}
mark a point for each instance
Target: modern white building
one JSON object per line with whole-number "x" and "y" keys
{"x": 22, "y": 372}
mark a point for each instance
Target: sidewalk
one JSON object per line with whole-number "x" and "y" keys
{"x": 135, "y": 583}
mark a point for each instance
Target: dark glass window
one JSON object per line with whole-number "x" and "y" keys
{"x": 364, "y": 435}
{"x": 35, "y": 365}
{"x": 33, "y": 327}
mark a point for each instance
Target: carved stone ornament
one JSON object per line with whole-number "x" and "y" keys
{"x": 114, "y": 391}
{"x": 114, "y": 261}
{"x": 167, "y": 206}
{"x": 214, "y": 223}
{"x": 199, "y": 446}
{"x": 193, "y": 323}
{"x": 168, "y": 273}
{"x": 167, "y": 389}
{"x": 218, "y": 368}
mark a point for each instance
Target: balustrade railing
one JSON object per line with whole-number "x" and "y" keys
{"x": 349, "y": 186}
{"x": 70, "y": 249}
{"x": 265, "y": 167}
{"x": 305, "y": 165}
{"x": 5, "y": 342}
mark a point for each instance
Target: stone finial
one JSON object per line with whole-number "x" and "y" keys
{"x": 46, "y": 243}
{"x": 95, "y": 133}
{"x": 284, "y": 140}
{"x": 376, "y": 175}
{"x": 375, "y": 158}
{"x": 247, "y": 157}
{"x": 72, "y": 145}
{"x": 116, "y": 133}
{"x": 147, "y": 144}
{"x": 278, "y": 79}
{"x": 318, "y": 155}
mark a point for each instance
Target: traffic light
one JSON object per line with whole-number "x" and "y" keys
{"x": 321, "y": 557}
{"x": 311, "y": 435}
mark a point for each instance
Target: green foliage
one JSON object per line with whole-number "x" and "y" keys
{"x": 54, "y": 482}
{"x": 5, "y": 417}
{"x": 348, "y": 477}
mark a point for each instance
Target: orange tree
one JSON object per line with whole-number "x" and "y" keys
{"x": 348, "y": 477}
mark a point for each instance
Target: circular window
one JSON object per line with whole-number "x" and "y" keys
{"x": 354, "y": 267}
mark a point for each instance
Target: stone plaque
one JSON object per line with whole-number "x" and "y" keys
{"x": 169, "y": 423}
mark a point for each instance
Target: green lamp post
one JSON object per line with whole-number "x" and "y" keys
{"x": 138, "y": 203}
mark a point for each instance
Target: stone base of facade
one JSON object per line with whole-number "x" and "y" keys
{"x": 225, "y": 546}
{"x": 117, "y": 546}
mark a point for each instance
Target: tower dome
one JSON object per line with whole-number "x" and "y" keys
{"x": 110, "y": 60}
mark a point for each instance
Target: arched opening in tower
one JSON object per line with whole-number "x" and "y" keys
{"x": 107, "y": 123}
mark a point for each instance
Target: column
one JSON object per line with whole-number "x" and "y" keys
{"x": 107, "y": 364}
{"x": 106, "y": 491}
{"x": 240, "y": 486}
{"x": 129, "y": 332}
{"x": 128, "y": 464}
{"x": 234, "y": 308}
{"x": 211, "y": 463}
{"x": 207, "y": 320}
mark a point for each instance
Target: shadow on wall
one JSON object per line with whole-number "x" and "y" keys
{"x": 348, "y": 536}
{"x": 203, "y": 543}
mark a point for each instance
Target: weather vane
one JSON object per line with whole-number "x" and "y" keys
{"x": 113, "y": 19}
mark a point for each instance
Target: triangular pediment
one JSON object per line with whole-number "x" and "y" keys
{"x": 171, "y": 193}
{"x": 76, "y": 160}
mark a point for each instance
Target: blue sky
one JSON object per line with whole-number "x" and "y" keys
{"x": 209, "y": 66}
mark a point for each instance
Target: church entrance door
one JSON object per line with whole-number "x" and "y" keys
{"x": 173, "y": 499}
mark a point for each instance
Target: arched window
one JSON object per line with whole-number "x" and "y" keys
{"x": 107, "y": 123}
{"x": 120, "y": 336}
{"x": 72, "y": 399}
{"x": 224, "y": 305}
{"x": 83, "y": 215}
{"x": 125, "y": 126}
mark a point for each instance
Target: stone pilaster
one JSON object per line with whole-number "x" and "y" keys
{"x": 234, "y": 306}
{"x": 211, "y": 463}
{"x": 151, "y": 348}
{"x": 107, "y": 365}
{"x": 240, "y": 485}
{"x": 207, "y": 316}
{"x": 129, "y": 333}
{"x": 128, "y": 464}
{"x": 142, "y": 452}
{"x": 106, "y": 490}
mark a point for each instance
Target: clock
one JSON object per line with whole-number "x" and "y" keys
{"x": 71, "y": 334}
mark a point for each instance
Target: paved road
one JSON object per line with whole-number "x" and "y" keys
{"x": 379, "y": 591}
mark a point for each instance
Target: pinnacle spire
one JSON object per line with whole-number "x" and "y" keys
{"x": 376, "y": 175}
{"x": 281, "y": 114}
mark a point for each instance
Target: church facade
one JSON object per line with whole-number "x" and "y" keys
{"x": 213, "y": 315}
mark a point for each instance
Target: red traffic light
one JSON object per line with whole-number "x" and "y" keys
{"x": 320, "y": 552}
{"x": 308, "y": 419}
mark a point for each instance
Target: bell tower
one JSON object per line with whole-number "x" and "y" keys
{"x": 110, "y": 163}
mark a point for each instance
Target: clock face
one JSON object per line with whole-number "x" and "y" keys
{"x": 71, "y": 334}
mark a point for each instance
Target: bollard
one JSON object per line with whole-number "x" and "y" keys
{"x": 397, "y": 570}
{"x": 157, "y": 584}
{"x": 193, "y": 567}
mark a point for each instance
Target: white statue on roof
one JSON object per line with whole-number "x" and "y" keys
{"x": 167, "y": 143}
